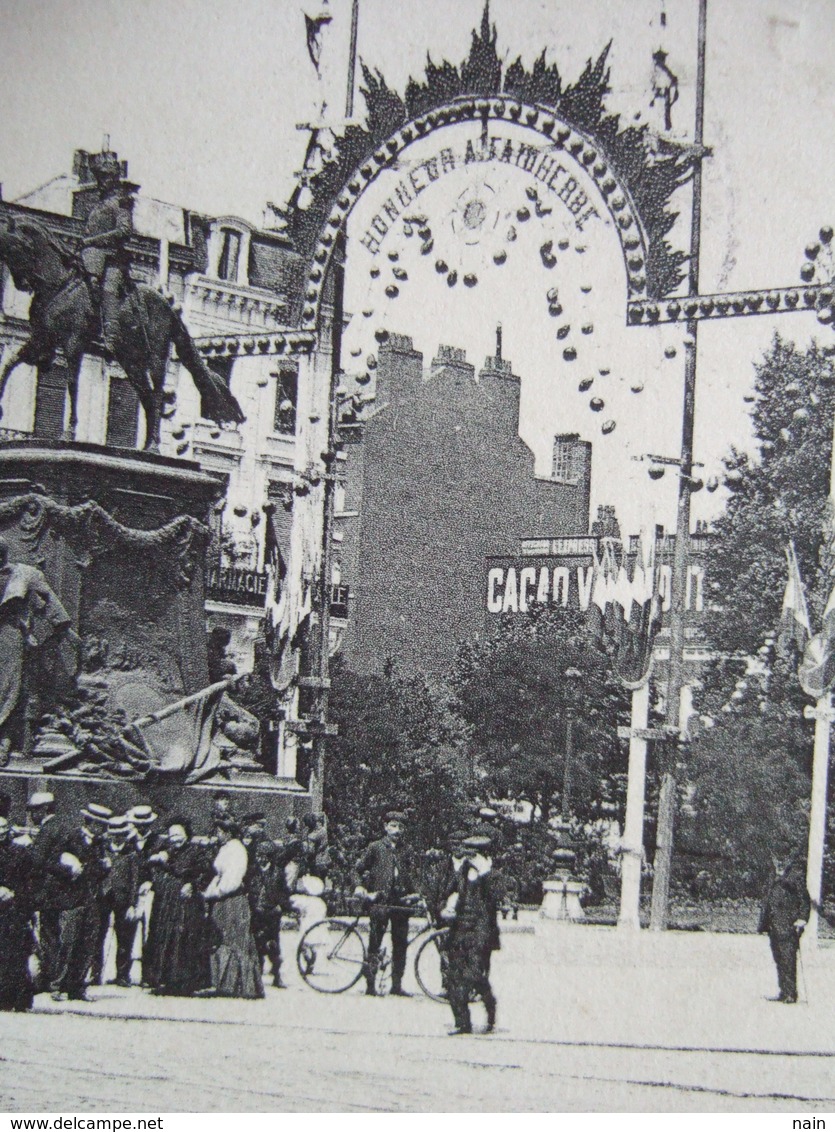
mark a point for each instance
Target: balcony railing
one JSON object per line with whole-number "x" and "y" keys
{"x": 248, "y": 588}
{"x": 339, "y": 601}
{"x": 8, "y": 435}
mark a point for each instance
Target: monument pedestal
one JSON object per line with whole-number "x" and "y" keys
{"x": 117, "y": 539}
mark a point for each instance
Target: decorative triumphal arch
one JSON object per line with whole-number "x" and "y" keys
{"x": 575, "y": 157}
{"x": 570, "y": 148}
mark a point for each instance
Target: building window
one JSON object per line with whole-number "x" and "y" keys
{"x": 50, "y": 401}
{"x": 230, "y": 254}
{"x": 122, "y": 414}
{"x": 286, "y": 399}
{"x": 222, "y": 367}
{"x": 565, "y": 467}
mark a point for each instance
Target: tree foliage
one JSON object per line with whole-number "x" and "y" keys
{"x": 516, "y": 692}
{"x": 749, "y": 773}
{"x": 779, "y": 496}
{"x": 400, "y": 746}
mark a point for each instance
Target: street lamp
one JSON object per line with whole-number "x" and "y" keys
{"x": 561, "y": 900}
{"x": 572, "y": 675}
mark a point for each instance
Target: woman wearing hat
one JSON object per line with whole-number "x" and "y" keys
{"x": 470, "y": 911}
{"x": 176, "y": 958}
{"x": 236, "y": 965}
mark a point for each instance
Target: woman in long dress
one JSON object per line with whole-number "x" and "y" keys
{"x": 236, "y": 966}
{"x": 176, "y": 957}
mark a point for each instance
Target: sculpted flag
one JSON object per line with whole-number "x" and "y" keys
{"x": 794, "y": 628}
{"x": 179, "y": 741}
{"x": 817, "y": 669}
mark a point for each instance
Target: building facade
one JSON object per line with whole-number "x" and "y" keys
{"x": 236, "y": 284}
{"x": 438, "y": 482}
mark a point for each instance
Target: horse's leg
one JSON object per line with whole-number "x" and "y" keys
{"x": 138, "y": 379}
{"x": 156, "y": 373}
{"x": 73, "y": 369}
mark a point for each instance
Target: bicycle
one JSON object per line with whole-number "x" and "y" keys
{"x": 332, "y": 955}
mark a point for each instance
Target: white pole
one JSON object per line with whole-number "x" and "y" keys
{"x": 632, "y": 843}
{"x": 817, "y": 816}
{"x": 820, "y": 776}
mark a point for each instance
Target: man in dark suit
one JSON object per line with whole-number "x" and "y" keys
{"x": 118, "y": 897}
{"x": 49, "y": 831}
{"x": 785, "y": 911}
{"x": 386, "y": 878}
{"x": 470, "y": 912}
{"x": 68, "y": 869}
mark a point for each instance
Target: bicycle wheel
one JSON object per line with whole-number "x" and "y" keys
{"x": 331, "y": 956}
{"x": 430, "y": 966}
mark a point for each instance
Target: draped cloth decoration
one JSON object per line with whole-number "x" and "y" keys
{"x": 184, "y": 538}
{"x": 624, "y": 611}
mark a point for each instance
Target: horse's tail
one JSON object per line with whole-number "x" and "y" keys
{"x": 216, "y": 401}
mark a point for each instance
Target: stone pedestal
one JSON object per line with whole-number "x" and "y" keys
{"x": 562, "y": 892}
{"x": 119, "y": 538}
{"x": 562, "y": 898}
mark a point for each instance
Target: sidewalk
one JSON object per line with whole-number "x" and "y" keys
{"x": 589, "y": 1019}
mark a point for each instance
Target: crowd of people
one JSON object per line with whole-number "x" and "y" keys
{"x": 186, "y": 914}
{"x": 202, "y": 915}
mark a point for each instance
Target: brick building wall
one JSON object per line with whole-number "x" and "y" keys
{"x": 439, "y": 481}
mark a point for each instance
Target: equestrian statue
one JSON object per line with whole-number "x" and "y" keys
{"x": 81, "y": 295}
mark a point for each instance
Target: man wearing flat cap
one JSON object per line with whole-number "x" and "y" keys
{"x": 386, "y": 879}
{"x": 470, "y": 912}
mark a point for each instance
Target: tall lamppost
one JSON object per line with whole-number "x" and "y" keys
{"x": 572, "y": 675}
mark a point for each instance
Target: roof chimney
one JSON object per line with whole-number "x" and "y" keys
{"x": 499, "y": 341}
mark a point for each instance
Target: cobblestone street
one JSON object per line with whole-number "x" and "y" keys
{"x": 588, "y": 1021}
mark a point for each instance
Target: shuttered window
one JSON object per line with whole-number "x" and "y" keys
{"x": 50, "y": 401}
{"x": 122, "y": 414}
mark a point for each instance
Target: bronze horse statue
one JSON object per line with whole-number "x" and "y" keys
{"x": 63, "y": 316}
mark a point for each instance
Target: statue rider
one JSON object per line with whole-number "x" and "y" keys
{"x": 104, "y": 255}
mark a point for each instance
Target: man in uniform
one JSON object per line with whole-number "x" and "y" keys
{"x": 785, "y": 911}
{"x": 385, "y": 871}
{"x": 269, "y": 899}
{"x": 104, "y": 257}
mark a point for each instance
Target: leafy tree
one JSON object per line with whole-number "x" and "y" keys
{"x": 400, "y": 746}
{"x": 779, "y": 496}
{"x": 750, "y": 771}
{"x": 516, "y": 691}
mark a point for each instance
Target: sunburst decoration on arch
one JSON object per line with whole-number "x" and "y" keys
{"x": 649, "y": 177}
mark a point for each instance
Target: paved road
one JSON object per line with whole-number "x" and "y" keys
{"x": 589, "y": 1021}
